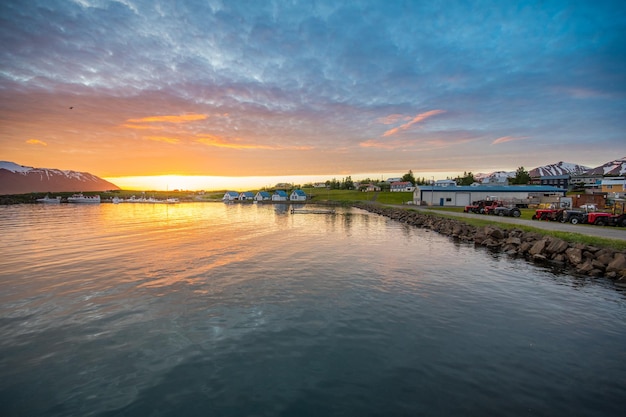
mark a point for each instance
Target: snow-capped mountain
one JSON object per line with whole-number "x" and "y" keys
{"x": 560, "y": 168}
{"x": 613, "y": 168}
{"x": 19, "y": 179}
{"x": 494, "y": 177}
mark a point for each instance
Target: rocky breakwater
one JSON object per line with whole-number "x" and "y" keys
{"x": 581, "y": 259}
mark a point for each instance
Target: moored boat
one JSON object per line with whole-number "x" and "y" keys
{"x": 48, "y": 200}
{"x": 312, "y": 211}
{"x": 80, "y": 198}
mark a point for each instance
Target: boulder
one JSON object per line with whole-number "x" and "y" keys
{"x": 618, "y": 263}
{"x": 557, "y": 246}
{"x": 538, "y": 247}
{"x": 574, "y": 255}
{"x": 513, "y": 240}
{"x": 494, "y": 232}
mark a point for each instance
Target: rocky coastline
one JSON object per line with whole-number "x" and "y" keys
{"x": 577, "y": 258}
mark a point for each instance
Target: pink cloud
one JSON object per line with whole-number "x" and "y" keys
{"x": 391, "y": 119}
{"x": 417, "y": 119}
{"x": 505, "y": 139}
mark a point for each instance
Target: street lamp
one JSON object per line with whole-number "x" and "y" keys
{"x": 432, "y": 190}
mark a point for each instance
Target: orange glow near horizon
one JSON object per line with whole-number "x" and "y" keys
{"x": 212, "y": 183}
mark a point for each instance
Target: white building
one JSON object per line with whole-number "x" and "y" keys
{"x": 230, "y": 196}
{"x": 461, "y": 196}
{"x": 279, "y": 195}
{"x": 263, "y": 196}
{"x": 401, "y": 186}
{"x": 297, "y": 195}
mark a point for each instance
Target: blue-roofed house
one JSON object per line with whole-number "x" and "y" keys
{"x": 297, "y": 195}
{"x": 461, "y": 196}
{"x": 263, "y": 196}
{"x": 279, "y": 195}
{"x": 246, "y": 195}
{"x": 230, "y": 196}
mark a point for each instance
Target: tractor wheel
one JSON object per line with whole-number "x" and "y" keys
{"x": 516, "y": 213}
{"x": 600, "y": 222}
{"x": 501, "y": 213}
{"x": 534, "y": 217}
{"x": 574, "y": 220}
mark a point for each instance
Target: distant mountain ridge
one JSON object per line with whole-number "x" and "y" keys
{"x": 20, "y": 179}
{"x": 560, "y": 168}
{"x": 495, "y": 176}
{"x": 613, "y": 168}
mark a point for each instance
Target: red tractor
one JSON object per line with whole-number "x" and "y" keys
{"x": 491, "y": 207}
{"x": 548, "y": 214}
{"x": 482, "y": 207}
{"x": 475, "y": 207}
{"x": 599, "y": 218}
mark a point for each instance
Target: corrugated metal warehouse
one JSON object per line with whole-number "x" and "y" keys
{"x": 461, "y": 196}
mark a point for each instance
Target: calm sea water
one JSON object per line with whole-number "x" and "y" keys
{"x": 232, "y": 310}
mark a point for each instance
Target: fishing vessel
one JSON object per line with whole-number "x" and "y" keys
{"x": 48, "y": 200}
{"x": 80, "y": 198}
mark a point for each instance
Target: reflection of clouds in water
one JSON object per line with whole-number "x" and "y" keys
{"x": 234, "y": 323}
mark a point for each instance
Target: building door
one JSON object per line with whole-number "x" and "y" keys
{"x": 462, "y": 199}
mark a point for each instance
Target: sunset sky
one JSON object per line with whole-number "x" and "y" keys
{"x": 316, "y": 88}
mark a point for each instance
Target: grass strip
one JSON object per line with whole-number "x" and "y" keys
{"x": 572, "y": 237}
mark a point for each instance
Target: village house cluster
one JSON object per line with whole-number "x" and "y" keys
{"x": 594, "y": 188}
{"x": 278, "y": 195}
{"x": 599, "y": 187}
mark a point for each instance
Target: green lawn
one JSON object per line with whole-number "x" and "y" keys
{"x": 347, "y": 196}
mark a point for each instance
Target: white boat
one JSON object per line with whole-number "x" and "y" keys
{"x": 115, "y": 200}
{"x": 80, "y": 198}
{"x": 151, "y": 200}
{"x": 48, "y": 200}
{"x": 312, "y": 211}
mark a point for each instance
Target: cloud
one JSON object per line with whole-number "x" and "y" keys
{"x": 392, "y": 118}
{"x": 219, "y": 142}
{"x": 184, "y": 118}
{"x": 166, "y": 70}
{"x": 417, "y": 119}
{"x": 505, "y": 139}
{"x": 163, "y": 139}
{"x": 36, "y": 142}
{"x": 139, "y": 127}
{"x": 425, "y": 143}
{"x": 412, "y": 145}
{"x": 236, "y": 143}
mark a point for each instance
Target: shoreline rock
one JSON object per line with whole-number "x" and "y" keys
{"x": 577, "y": 258}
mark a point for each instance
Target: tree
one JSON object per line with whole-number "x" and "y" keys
{"x": 466, "y": 179}
{"x": 409, "y": 177}
{"x": 347, "y": 183}
{"x": 333, "y": 184}
{"x": 521, "y": 177}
